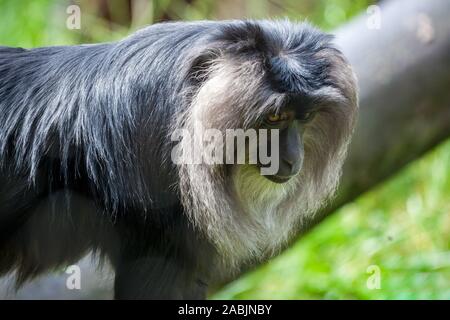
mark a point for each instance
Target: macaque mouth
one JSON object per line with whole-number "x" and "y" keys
{"x": 285, "y": 171}
{"x": 278, "y": 179}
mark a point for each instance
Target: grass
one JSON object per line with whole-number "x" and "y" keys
{"x": 402, "y": 228}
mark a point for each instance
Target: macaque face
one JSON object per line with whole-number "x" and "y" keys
{"x": 290, "y": 120}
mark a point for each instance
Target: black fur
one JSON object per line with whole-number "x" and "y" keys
{"x": 85, "y": 150}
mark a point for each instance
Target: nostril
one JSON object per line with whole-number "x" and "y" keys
{"x": 287, "y": 167}
{"x": 292, "y": 166}
{"x": 289, "y": 162}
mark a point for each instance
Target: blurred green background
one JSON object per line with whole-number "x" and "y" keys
{"x": 402, "y": 227}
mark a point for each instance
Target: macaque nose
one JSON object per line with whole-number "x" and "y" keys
{"x": 289, "y": 167}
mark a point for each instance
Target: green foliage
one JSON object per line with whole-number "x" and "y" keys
{"x": 327, "y": 14}
{"x": 32, "y": 23}
{"x": 324, "y": 13}
{"x": 43, "y": 22}
{"x": 403, "y": 227}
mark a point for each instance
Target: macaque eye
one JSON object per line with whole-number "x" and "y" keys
{"x": 277, "y": 117}
{"x": 306, "y": 116}
{"x": 273, "y": 117}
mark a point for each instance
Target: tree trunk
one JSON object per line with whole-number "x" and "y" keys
{"x": 403, "y": 71}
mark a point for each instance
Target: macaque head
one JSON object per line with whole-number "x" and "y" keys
{"x": 282, "y": 102}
